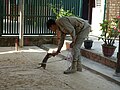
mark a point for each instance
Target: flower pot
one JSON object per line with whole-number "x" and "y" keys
{"x": 108, "y": 51}
{"x": 88, "y": 44}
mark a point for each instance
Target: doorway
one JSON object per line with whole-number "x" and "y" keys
{"x": 87, "y": 9}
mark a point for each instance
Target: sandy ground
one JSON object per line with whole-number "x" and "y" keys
{"x": 18, "y": 71}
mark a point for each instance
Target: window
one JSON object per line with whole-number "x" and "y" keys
{"x": 97, "y": 3}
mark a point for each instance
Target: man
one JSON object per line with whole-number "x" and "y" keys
{"x": 78, "y": 30}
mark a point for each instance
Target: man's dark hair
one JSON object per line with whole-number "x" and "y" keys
{"x": 50, "y": 22}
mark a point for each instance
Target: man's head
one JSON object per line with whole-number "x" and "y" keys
{"x": 51, "y": 25}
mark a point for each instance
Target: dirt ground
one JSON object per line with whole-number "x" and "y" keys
{"x": 18, "y": 71}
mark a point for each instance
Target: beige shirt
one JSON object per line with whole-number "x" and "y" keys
{"x": 70, "y": 25}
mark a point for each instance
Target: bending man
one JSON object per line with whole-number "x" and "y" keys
{"x": 78, "y": 30}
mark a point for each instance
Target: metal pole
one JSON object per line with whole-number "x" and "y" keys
{"x": 21, "y": 23}
{"x": 118, "y": 54}
{"x": 104, "y": 9}
{"x": 118, "y": 59}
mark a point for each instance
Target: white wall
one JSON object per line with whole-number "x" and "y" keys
{"x": 97, "y": 17}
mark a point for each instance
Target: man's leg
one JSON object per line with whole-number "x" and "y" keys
{"x": 80, "y": 39}
{"x": 76, "y": 64}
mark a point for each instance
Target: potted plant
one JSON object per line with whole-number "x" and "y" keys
{"x": 88, "y": 43}
{"x": 110, "y": 31}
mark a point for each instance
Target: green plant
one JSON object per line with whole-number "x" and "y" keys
{"x": 59, "y": 11}
{"x": 110, "y": 31}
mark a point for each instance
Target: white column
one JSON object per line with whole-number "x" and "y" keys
{"x": 21, "y": 23}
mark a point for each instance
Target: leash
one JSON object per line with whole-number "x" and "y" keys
{"x": 49, "y": 55}
{"x": 52, "y": 61}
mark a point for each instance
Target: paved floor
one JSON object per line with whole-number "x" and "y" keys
{"x": 96, "y": 67}
{"x": 18, "y": 71}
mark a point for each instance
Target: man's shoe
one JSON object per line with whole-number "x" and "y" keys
{"x": 79, "y": 66}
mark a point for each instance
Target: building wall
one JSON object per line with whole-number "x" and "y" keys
{"x": 113, "y": 9}
{"x": 28, "y": 41}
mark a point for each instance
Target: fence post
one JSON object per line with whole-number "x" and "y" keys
{"x": 21, "y": 23}
{"x": 1, "y": 17}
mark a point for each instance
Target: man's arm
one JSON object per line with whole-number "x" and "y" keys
{"x": 60, "y": 45}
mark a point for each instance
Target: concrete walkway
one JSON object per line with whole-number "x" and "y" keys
{"x": 18, "y": 71}
{"x": 95, "y": 67}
